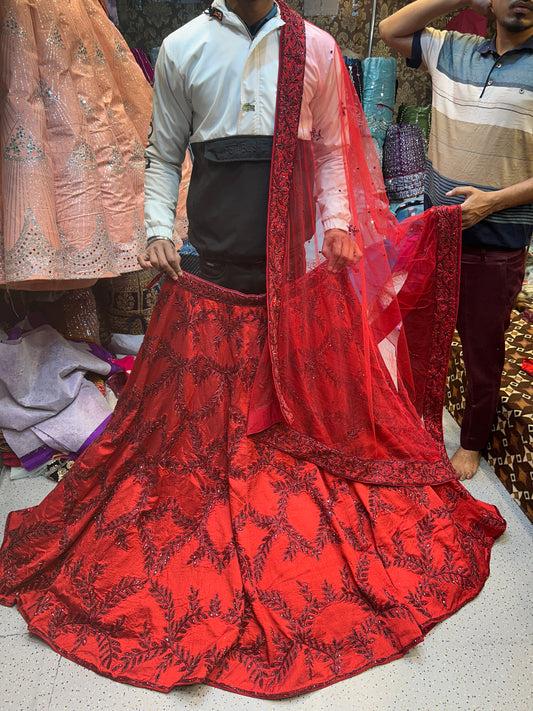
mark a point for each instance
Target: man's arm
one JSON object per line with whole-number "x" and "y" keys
{"x": 397, "y": 30}
{"x": 339, "y": 246}
{"x": 479, "y": 204}
{"x": 165, "y": 153}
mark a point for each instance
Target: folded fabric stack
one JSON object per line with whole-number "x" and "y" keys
{"x": 52, "y": 397}
{"x": 404, "y": 161}
{"x": 125, "y": 304}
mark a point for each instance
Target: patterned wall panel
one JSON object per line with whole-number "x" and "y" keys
{"x": 145, "y": 23}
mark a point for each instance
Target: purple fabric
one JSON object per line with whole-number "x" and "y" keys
{"x": 100, "y": 352}
{"x": 94, "y": 435}
{"x": 45, "y": 399}
{"x": 37, "y": 457}
{"x": 15, "y": 333}
{"x": 144, "y": 63}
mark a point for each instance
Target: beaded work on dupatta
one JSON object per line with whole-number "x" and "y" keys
{"x": 393, "y": 314}
{"x": 290, "y": 89}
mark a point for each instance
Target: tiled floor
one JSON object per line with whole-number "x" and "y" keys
{"x": 479, "y": 660}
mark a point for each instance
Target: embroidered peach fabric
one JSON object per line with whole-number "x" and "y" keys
{"x": 75, "y": 111}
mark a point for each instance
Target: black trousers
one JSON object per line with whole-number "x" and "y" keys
{"x": 490, "y": 282}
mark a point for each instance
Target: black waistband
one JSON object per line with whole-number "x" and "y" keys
{"x": 467, "y": 249}
{"x": 248, "y": 277}
{"x": 232, "y": 259}
{"x": 236, "y": 148}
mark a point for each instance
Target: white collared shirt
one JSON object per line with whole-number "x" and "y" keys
{"x": 214, "y": 80}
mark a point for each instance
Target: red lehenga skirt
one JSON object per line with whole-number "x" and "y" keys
{"x": 178, "y": 550}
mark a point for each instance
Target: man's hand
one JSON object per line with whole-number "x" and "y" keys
{"x": 340, "y": 249}
{"x": 478, "y": 204}
{"x": 482, "y": 7}
{"x": 162, "y": 256}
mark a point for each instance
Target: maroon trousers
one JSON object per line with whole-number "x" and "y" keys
{"x": 490, "y": 282}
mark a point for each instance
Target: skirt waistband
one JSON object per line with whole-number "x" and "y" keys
{"x": 209, "y": 290}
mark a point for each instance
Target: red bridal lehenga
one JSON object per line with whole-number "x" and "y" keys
{"x": 271, "y": 508}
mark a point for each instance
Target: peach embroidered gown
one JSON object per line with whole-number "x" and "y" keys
{"x": 74, "y": 116}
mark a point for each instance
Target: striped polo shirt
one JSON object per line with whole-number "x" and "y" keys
{"x": 481, "y": 127}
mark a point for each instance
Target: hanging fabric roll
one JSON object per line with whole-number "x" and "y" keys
{"x": 355, "y": 70}
{"x": 379, "y": 93}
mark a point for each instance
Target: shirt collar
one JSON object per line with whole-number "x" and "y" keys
{"x": 490, "y": 46}
{"x": 221, "y": 5}
{"x": 219, "y": 10}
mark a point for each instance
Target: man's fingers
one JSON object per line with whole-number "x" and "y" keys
{"x": 172, "y": 258}
{"x": 144, "y": 262}
{"x": 357, "y": 254}
{"x": 345, "y": 253}
{"x": 351, "y": 254}
{"x": 340, "y": 249}
{"x": 335, "y": 263}
{"x": 162, "y": 256}
{"x": 462, "y": 190}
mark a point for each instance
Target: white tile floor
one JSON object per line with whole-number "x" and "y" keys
{"x": 479, "y": 660}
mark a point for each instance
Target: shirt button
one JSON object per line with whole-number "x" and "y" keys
{"x": 522, "y": 91}
{"x": 499, "y": 65}
{"x": 489, "y": 82}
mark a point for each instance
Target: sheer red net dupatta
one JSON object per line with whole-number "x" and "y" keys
{"x": 356, "y": 361}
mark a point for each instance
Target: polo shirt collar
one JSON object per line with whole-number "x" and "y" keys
{"x": 490, "y": 46}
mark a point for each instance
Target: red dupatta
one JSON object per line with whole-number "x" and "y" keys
{"x": 353, "y": 377}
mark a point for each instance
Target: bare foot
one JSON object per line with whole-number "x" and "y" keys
{"x": 466, "y": 463}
